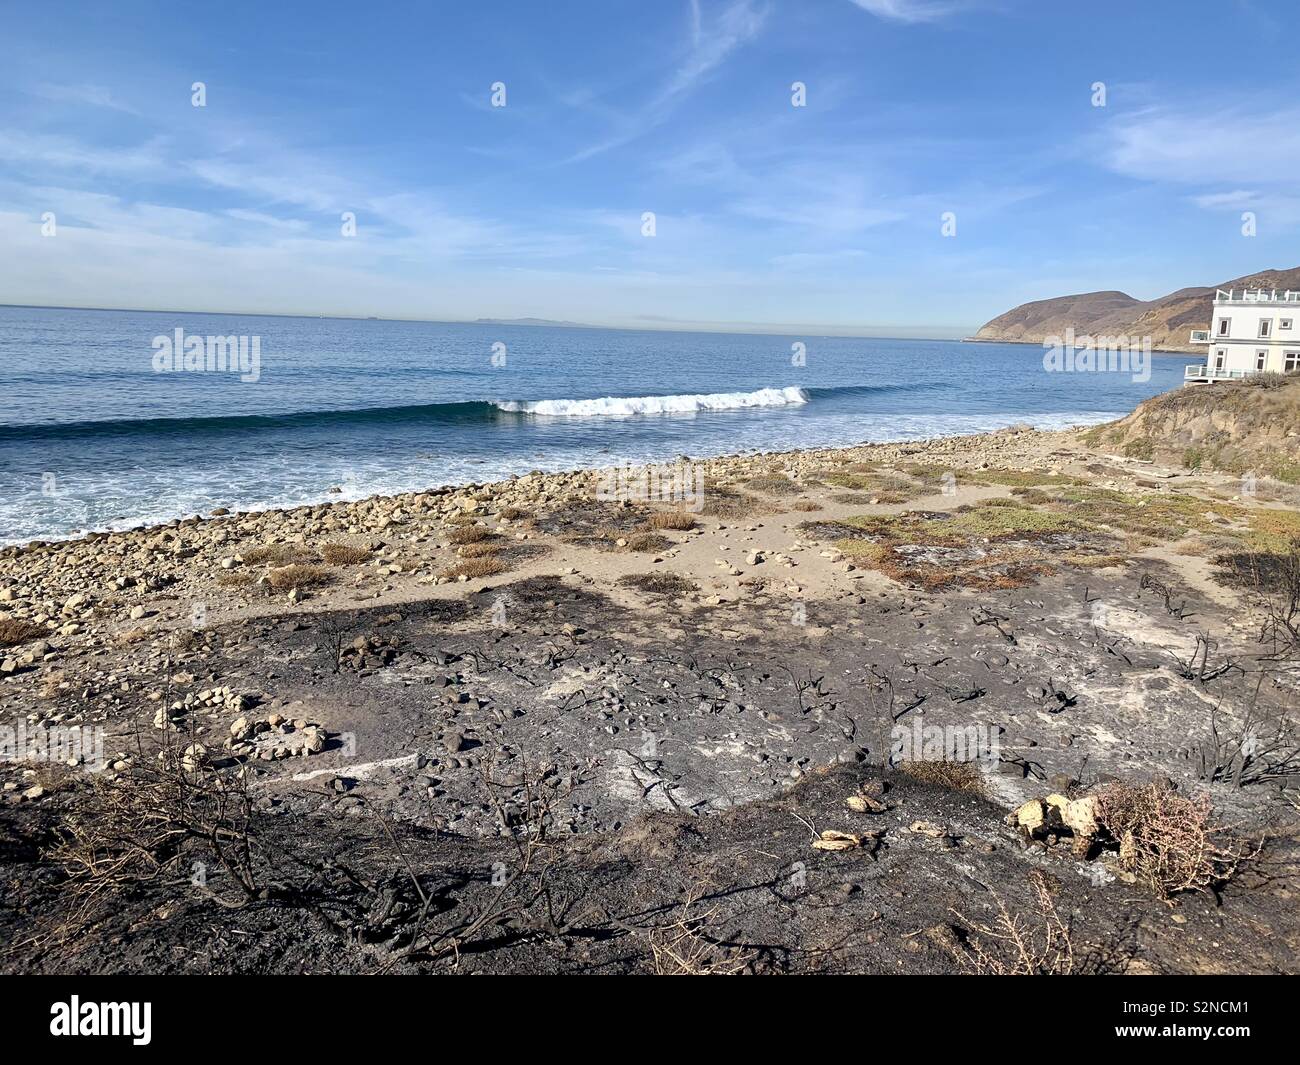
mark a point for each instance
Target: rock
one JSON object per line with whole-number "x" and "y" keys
{"x": 865, "y": 804}
{"x": 312, "y": 739}
{"x": 166, "y": 717}
{"x": 1031, "y": 816}
{"x": 832, "y": 840}
{"x": 76, "y": 603}
{"x": 1080, "y": 817}
{"x": 1056, "y": 815}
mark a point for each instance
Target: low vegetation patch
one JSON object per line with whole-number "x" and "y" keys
{"x": 955, "y": 776}
{"x": 647, "y": 541}
{"x": 882, "y": 488}
{"x": 14, "y": 631}
{"x": 773, "y": 484}
{"x": 1273, "y": 531}
{"x": 481, "y": 549}
{"x": 338, "y": 554}
{"x": 1162, "y": 516}
{"x": 724, "y": 503}
{"x": 972, "y": 547}
{"x": 955, "y": 527}
{"x": 468, "y": 534}
{"x": 933, "y": 473}
{"x": 680, "y": 520}
{"x": 298, "y": 575}
{"x": 672, "y": 585}
{"x": 278, "y": 554}
{"x": 472, "y": 568}
{"x": 1168, "y": 841}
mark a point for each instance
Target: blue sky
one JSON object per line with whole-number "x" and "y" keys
{"x": 766, "y": 214}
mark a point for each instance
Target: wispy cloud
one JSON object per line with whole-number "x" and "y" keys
{"x": 1225, "y": 144}
{"x": 81, "y": 95}
{"x": 1241, "y": 157}
{"x": 45, "y": 151}
{"x": 738, "y": 24}
{"x": 909, "y": 10}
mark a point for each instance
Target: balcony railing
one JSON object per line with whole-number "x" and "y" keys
{"x": 1256, "y": 295}
{"x": 1214, "y": 373}
{"x": 1200, "y": 336}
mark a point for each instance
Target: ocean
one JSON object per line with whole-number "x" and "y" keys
{"x": 102, "y": 426}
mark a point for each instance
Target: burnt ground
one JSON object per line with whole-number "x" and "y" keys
{"x": 545, "y": 777}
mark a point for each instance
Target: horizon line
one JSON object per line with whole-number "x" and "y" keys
{"x": 735, "y": 328}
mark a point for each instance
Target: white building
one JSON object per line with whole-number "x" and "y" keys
{"x": 1252, "y": 331}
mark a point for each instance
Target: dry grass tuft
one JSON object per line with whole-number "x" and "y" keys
{"x": 469, "y": 534}
{"x": 338, "y": 554}
{"x": 482, "y": 549}
{"x": 773, "y": 484}
{"x": 278, "y": 554}
{"x": 956, "y": 776}
{"x": 647, "y": 542}
{"x": 679, "y": 520}
{"x": 669, "y": 584}
{"x": 472, "y": 568}
{"x": 722, "y": 503}
{"x": 14, "y": 631}
{"x": 298, "y": 576}
{"x": 513, "y": 514}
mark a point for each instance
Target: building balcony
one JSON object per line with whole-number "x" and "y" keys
{"x": 1199, "y": 336}
{"x": 1209, "y": 374}
{"x": 1251, "y": 296}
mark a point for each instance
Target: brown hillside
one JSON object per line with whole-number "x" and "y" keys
{"x": 1168, "y": 320}
{"x": 1237, "y": 427}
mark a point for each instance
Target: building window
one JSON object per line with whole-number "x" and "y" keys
{"x": 1291, "y": 362}
{"x": 1261, "y": 359}
{"x": 1219, "y": 357}
{"x": 1224, "y": 325}
{"x": 1264, "y": 325}
{"x": 1284, "y": 323}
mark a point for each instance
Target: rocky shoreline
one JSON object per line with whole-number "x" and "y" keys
{"x": 479, "y": 701}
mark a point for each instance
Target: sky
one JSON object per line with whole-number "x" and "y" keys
{"x": 649, "y": 168}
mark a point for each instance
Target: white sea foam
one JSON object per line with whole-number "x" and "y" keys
{"x": 618, "y": 407}
{"x": 115, "y": 501}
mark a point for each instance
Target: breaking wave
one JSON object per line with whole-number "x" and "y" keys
{"x": 622, "y": 406}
